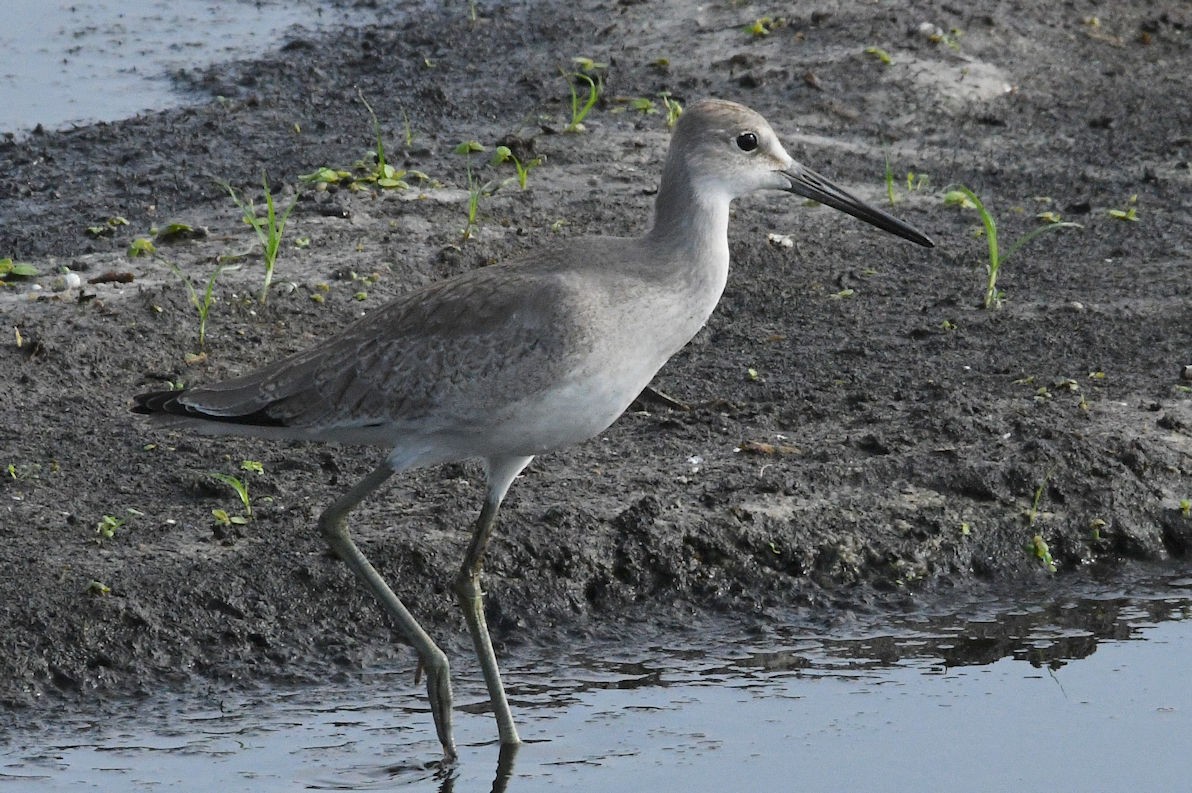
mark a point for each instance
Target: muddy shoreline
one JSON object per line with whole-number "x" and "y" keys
{"x": 860, "y": 434}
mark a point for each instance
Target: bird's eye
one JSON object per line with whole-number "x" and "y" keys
{"x": 747, "y": 141}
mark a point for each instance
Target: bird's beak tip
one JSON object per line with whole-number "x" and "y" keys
{"x": 807, "y": 183}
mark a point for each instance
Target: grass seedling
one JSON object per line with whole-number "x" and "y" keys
{"x": 880, "y": 54}
{"x": 965, "y": 197}
{"x": 914, "y": 181}
{"x": 108, "y": 228}
{"x": 409, "y": 130}
{"x": 502, "y": 154}
{"x": 98, "y": 588}
{"x": 764, "y": 26}
{"x": 203, "y": 305}
{"x": 375, "y": 167}
{"x": 936, "y": 35}
{"x": 476, "y": 189}
{"x": 141, "y": 246}
{"x": 643, "y": 105}
{"x": 1037, "y": 545}
{"x": 384, "y": 174}
{"x": 673, "y": 109}
{"x": 581, "y": 107}
{"x": 890, "y": 181}
{"x": 587, "y": 65}
{"x": 1130, "y": 213}
{"x": 241, "y": 488}
{"x": 107, "y": 526}
{"x": 269, "y": 229}
{"x": 11, "y": 269}
{"x": 24, "y": 471}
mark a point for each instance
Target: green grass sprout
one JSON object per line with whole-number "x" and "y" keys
{"x": 1037, "y": 545}
{"x": 673, "y": 109}
{"x": 141, "y": 246}
{"x": 11, "y": 269}
{"x": 107, "y": 526}
{"x": 202, "y": 305}
{"x": 880, "y": 54}
{"x": 964, "y": 197}
{"x": 98, "y": 588}
{"x": 477, "y": 189}
{"x": 890, "y": 181}
{"x": 914, "y": 181}
{"x": 503, "y": 154}
{"x": 269, "y": 229}
{"x": 384, "y": 174}
{"x": 763, "y": 26}
{"x": 587, "y": 65}
{"x": 241, "y": 488}
{"x": 581, "y": 107}
{"x": 1130, "y": 213}
{"x": 374, "y": 168}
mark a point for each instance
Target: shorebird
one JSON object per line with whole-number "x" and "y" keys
{"x": 513, "y": 360}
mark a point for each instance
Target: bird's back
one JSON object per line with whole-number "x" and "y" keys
{"x": 552, "y": 347}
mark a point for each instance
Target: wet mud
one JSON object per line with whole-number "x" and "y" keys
{"x": 854, "y": 431}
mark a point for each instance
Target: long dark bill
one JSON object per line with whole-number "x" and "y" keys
{"x": 809, "y": 184}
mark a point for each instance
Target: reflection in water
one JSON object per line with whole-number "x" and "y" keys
{"x": 848, "y": 707}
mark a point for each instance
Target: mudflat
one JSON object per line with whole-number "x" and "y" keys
{"x": 852, "y": 429}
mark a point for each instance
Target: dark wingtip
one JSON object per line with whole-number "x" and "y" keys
{"x": 167, "y": 403}
{"x": 158, "y": 402}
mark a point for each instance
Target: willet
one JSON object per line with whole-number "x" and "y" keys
{"x": 510, "y": 361}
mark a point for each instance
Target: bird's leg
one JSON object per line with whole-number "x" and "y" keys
{"x": 333, "y": 525}
{"x": 471, "y": 597}
{"x": 471, "y": 600}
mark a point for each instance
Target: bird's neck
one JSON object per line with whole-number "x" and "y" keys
{"x": 690, "y": 233}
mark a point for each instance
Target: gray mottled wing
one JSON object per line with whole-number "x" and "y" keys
{"x": 446, "y": 352}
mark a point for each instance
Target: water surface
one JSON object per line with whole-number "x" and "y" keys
{"x": 1086, "y": 690}
{"x": 80, "y": 61}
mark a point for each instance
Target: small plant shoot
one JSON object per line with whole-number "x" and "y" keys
{"x": 241, "y": 488}
{"x": 890, "y": 181}
{"x": 1037, "y": 545}
{"x": 202, "y": 305}
{"x": 581, "y": 107}
{"x": 587, "y": 76}
{"x": 503, "y": 154}
{"x": 269, "y": 229}
{"x": 764, "y": 26}
{"x": 674, "y": 109}
{"x": 965, "y": 198}
{"x": 879, "y": 54}
{"x": 476, "y": 188}
{"x": 1130, "y": 213}
{"x": 107, "y": 526}
{"x": 11, "y": 269}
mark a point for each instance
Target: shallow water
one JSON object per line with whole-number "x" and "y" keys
{"x": 79, "y": 61}
{"x": 1086, "y": 691}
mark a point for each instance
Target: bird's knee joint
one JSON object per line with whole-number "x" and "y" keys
{"x": 333, "y": 528}
{"x": 468, "y": 586}
{"x": 438, "y": 670}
